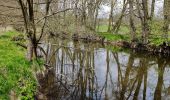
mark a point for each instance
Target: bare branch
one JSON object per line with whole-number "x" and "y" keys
{"x": 53, "y": 14}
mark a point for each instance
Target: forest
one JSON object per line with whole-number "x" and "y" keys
{"x": 84, "y": 49}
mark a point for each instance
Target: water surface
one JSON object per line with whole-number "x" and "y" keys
{"x": 90, "y": 71}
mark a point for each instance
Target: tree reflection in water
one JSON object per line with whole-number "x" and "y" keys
{"x": 91, "y": 72}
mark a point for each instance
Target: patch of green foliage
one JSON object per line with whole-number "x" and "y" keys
{"x": 15, "y": 71}
{"x": 155, "y": 38}
{"x": 158, "y": 39}
{"x": 104, "y": 28}
{"x": 157, "y": 35}
{"x": 114, "y": 37}
{"x": 124, "y": 30}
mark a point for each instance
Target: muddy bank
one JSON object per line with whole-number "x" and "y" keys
{"x": 163, "y": 49}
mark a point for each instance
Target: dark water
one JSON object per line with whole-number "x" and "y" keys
{"x": 89, "y": 71}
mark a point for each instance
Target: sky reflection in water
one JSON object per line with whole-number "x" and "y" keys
{"x": 90, "y": 71}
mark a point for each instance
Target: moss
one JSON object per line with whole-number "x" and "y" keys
{"x": 15, "y": 71}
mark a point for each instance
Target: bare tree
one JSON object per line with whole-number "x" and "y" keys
{"x": 27, "y": 7}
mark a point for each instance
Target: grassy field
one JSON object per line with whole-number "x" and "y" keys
{"x": 15, "y": 71}
{"x": 104, "y": 28}
{"x": 156, "y": 37}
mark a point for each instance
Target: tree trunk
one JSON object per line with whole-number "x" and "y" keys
{"x": 131, "y": 20}
{"x": 152, "y": 9}
{"x": 29, "y": 50}
{"x": 166, "y": 17}
{"x": 83, "y": 17}
{"x": 76, "y": 16}
{"x": 111, "y": 16}
{"x": 145, "y": 27}
{"x": 98, "y": 2}
{"x": 116, "y": 26}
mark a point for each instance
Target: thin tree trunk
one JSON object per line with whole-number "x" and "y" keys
{"x": 131, "y": 20}
{"x": 98, "y": 2}
{"x": 166, "y": 17}
{"x": 76, "y": 16}
{"x": 29, "y": 50}
{"x": 83, "y": 13}
{"x": 116, "y": 26}
{"x": 152, "y": 10}
{"x": 111, "y": 16}
{"x": 146, "y": 28}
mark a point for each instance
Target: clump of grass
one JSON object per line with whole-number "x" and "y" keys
{"x": 15, "y": 70}
{"x": 114, "y": 37}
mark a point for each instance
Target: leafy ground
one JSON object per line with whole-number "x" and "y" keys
{"x": 15, "y": 71}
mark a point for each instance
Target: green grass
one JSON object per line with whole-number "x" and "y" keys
{"x": 156, "y": 37}
{"x": 114, "y": 37}
{"x": 102, "y": 28}
{"x": 15, "y": 70}
{"x": 121, "y": 35}
{"x": 123, "y": 29}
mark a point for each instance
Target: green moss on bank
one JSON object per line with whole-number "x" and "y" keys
{"x": 15, "y": 71}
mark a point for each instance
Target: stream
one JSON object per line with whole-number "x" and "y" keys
{"x": 91, "y": 71}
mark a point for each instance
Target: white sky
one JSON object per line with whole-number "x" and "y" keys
{"x": 105, "y": 9}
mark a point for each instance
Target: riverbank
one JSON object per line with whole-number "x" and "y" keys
{"x": 16, "y": 75}
{"x": 157, "y": 45}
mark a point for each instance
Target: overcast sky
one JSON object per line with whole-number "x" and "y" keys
{"x": 105, "y": 10}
